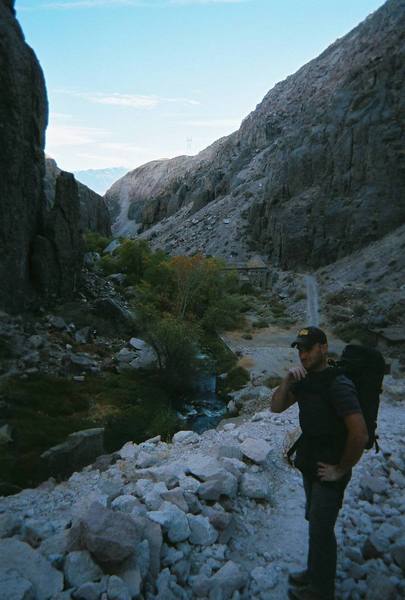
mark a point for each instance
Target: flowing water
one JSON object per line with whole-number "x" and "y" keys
{"x": 312, "y": 300}
{"x": 205, "y": 410}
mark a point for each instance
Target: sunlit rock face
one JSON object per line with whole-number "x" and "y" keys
{"x": 317, "y": 167}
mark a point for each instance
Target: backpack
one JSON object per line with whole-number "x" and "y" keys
{"x": 366, "y": 368}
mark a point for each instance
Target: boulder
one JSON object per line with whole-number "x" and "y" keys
{"x": 380, "y": 586}
{"x": 176, "y": 496}
{"x": 9, "y": 524}
{"x": 228, "y": 579}
{"x": 202, "y": 532}
{"x": 223, "y": 484}
{"x": 110, "y": 536}
{"x": 173, "y": 521}
{"x": 34, "y": 531}
{"x": 131, "y": 574}
{"x": 13, "y": 586}
{"x": 265, "y": 578}
{"x": 18, "y": 557}
{"x": 6, "y": 434}
{"x": 80, "y": 568}
{"x": 125, "y": 503}
{"x": 129, "y": 450}
{"x": 204, "y": 467}
{"x": 256, "y": 450}
{"x": 89, "y": 591}
{"x": 125, "y": 355}
{"x": 112, "y": 310}
{"x": 117, "y": 589}
{"x": 80, "y": 449}
{"x": 255, "y": 485}
{"x": 185, "y": 437}
{"x": 398, "y": 553}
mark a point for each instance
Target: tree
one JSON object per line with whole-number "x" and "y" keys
{"x": 176, "y": 343}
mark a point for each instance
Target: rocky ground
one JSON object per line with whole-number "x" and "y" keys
{"x": 217, "y": 515}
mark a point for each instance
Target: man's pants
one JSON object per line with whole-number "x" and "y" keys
{"x": 323, "y": 502}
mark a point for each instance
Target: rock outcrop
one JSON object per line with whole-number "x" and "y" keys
{"x": 94, "y": 214}
{"x": 317, "y": 168}
{"x": 42, "y": 214}
{"x": 23, "y": 118}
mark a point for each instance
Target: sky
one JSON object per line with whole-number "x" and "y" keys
{"x": 130, "y": 81}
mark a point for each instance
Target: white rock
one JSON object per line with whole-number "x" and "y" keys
{"x": 13, "y": 586}
{"x": 18, "y": 557}
{"x": 266, "y": 578}
{"x": 256, "y": 450}
{"x": 204, "y": 467}
{"x": 128, "y": 450}
{"x": 202, "y": 532}
{"x": 125, "y": 355}
{"x": 255, "y": 485}
{"x": 117, "y": 589}
{"x": 6, "y": 434}
{"x": 228, "y": 579}
{"x": 80, "y": 568}
{"x": 125, "y": 503}
{"x": 224, "y": 484}
{"x": 173, "y": 520}
{"x": 186, "y": 437}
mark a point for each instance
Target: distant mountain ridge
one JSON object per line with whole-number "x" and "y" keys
{"x": 315, "y": 172}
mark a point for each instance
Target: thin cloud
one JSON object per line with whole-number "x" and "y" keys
{"x": 58, "y": 135}
{"x": 78, "y": 4}
{"x": 137, "y": 101}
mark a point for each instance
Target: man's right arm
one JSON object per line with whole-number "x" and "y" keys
{"x": 283, "y": 397}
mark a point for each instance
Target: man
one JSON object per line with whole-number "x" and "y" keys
{"x": 334, "y": 435}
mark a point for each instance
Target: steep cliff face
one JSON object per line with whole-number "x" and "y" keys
{"x": 58, "y": 250}
{"x": 41, "y": 214}
{"x": 334, "y": 160}
{"x": 23, "y": 118}
{"x": 94, "y": 214}
{"x": 319, "y": 165}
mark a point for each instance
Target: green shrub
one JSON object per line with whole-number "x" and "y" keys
{"x": 260, "y": 324}
{"x": 235, "y": 380}
{"x": 353, "y": 331}
{"x": 44, "y": 410}
{"x": 359, "y": 310}
{"x": 95, "y": 242}
{"x": 5, "y": 349}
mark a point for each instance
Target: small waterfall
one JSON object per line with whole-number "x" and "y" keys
{"x": 312, "y": 300}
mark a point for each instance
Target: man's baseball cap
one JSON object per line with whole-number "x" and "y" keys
{"x": 308, "y": 337}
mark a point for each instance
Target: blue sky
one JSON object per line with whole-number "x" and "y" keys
{"x": 131, "y": 81}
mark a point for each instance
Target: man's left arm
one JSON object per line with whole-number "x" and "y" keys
{"x": 357, "y": 437}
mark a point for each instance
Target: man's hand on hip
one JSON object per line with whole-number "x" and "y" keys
{"x": 329, "y": 472}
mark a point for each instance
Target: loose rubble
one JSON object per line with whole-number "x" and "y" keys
{"x": 215, "y": 516}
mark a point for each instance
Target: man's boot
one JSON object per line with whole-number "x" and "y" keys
{"x": 299, "y": 578}
{"x": 307, "y": 593}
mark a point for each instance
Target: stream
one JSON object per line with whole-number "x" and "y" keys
{"x": 204, "y": 410}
